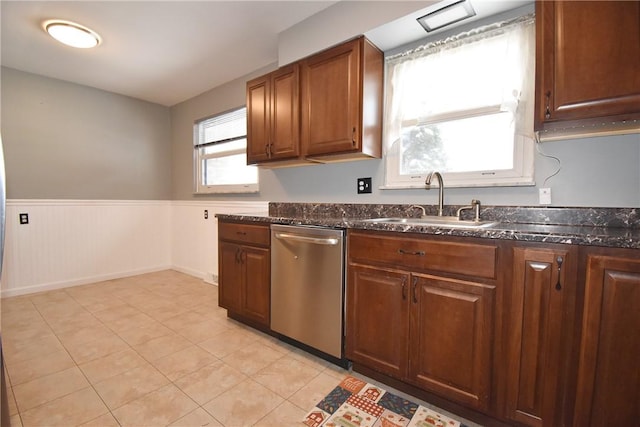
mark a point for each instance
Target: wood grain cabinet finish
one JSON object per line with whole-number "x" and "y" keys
{"x": 608, "y": 385}
{"x": 450, "y": 347}
{"x": 587, "y": 62}
{"x": 378, "y": 321}
{"x": 273, "y": 117}
{"x": 407, "y": 321}
{"x": 341, "y": 110}
{"x": 245, "y": 271}
{"x": 543, "y": 286}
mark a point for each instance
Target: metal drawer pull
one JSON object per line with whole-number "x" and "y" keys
{"x": 305, "y": 239}
{"x": 403, "y": 252}
{"x": 241, "y": 233}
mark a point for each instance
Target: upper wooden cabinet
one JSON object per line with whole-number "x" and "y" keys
{"x": 342, "y": 102}
{"x": 327, "y": 107}
{"x": 273, "y": 130}
{"x": 587, "y": 63}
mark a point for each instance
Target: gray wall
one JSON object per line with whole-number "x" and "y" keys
{"x": 67, "y": 141}
{"x": 598, "y": 171}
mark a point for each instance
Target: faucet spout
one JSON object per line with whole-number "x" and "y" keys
{"x": 427, "y": 182}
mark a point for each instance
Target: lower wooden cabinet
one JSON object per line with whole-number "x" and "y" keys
{"x": 245, "y": 271}
{"x": 529, "y": 334}
{"x": 542, "y": 288}
{"x": 608, "y": 383}
{"x": 377, "y": 319}
{"x": 431, "y": 331}
{"x": 451, "y": 338}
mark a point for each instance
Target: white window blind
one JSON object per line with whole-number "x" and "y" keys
{"x": 220, "y": 145}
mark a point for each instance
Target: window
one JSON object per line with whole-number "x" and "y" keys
{"x": 220, "y": 144}
{"x": 463, "y": 106}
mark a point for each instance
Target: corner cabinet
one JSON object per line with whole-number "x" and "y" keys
{"x": 244, "y": 274}
{"x": 422, "y": 310}
{"x": 608, "y": 383}
{"x": 587, "y": 62}
{"x": 273, "y": 129}
{"x": 341, "y": 113}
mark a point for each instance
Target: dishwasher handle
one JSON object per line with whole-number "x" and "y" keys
{"x": 329, "y": 241}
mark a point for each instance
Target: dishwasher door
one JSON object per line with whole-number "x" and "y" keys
{"x": 307, "y": 285}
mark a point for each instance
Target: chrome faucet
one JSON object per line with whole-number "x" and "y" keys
{"x": 475, "y": 205}
{"x": 427, "y": 182}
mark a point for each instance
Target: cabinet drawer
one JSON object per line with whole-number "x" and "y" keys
{"x": 245, "y": 233}
{"x": 471, "y": 259}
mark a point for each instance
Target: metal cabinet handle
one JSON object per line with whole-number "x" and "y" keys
{"x": 405, "y": 252}
{"x": 404, "y": 288}
{"x": 547, "y": 112}
{"x": 353, "y": 136}
{"x": 559, "y": 260}
{"x": 415, "y": 288}
{"x": 238, "y": 255}
{"x": 266, "y": 150}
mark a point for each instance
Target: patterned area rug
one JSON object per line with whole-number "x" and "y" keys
{"x": 355, "y": 403}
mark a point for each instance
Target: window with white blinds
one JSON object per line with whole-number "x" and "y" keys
{"x": 220, "y": 145}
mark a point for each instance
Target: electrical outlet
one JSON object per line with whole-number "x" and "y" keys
{"x": 24, "y": 218}
{"x": 206, "y": 214}
{"x": 545, "y": 196}
{"x": 364, "y": 185}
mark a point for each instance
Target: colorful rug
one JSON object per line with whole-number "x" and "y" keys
{"x": 355, "y": 403}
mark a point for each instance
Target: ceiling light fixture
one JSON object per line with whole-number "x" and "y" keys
{"x": 447, "y": 15}
{"x": 72, "y": 34}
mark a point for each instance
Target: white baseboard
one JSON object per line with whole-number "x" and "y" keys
{"x": 78, "y": 282}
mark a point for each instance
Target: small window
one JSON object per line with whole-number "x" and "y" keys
{"x": 464, "y": 107}
{"x": 220, "y": 157}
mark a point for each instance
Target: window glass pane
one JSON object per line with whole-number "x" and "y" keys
{"x": 240, "y": 144}
{"x": 465, "y": 145}
{"x": 228, "y": 170}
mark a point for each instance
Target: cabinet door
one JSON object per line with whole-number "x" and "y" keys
{"x": 588, "y": 57}
{"x": 377, "y": 319}
{"x": 230, "y": 276}
{"x": 258, "y": 119}
{"x": 608, "y": 391}
{"x": 451, "y": 337}
{"x": 542, "y": 279}
{"x": 256, "y": 290}
{"x": 331, "y": 101}
{"x": 285, "y": 113}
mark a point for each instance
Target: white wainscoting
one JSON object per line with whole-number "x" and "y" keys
{"x": 194, "y": 241}
{"x": 74, "y": 242}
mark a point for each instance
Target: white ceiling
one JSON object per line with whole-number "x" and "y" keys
{"x": 169, "y": 51}
{"x": 159, "y": 51}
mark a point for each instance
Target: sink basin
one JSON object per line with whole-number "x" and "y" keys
{"x": 435, "y": 221}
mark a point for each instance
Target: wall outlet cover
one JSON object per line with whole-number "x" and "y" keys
{"x": 545, "y": 196}
{"x": 364, "y": 185}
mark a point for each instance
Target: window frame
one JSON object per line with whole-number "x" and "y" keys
{"x": 199, "y": 158}
{"x": 521, "y": 174}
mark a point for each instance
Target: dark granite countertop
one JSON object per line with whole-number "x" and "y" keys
{"x": 608, "y": 227}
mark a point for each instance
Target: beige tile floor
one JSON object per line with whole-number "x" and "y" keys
{"x": 150, "y": 350}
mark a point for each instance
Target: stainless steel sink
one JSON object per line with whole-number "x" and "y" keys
{"x": 435, "y": 221}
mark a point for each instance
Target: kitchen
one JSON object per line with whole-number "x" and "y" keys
{"x": 77, "y": 216}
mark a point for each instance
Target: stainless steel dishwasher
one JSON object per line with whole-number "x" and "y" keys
{"x": 307, "y": 286}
